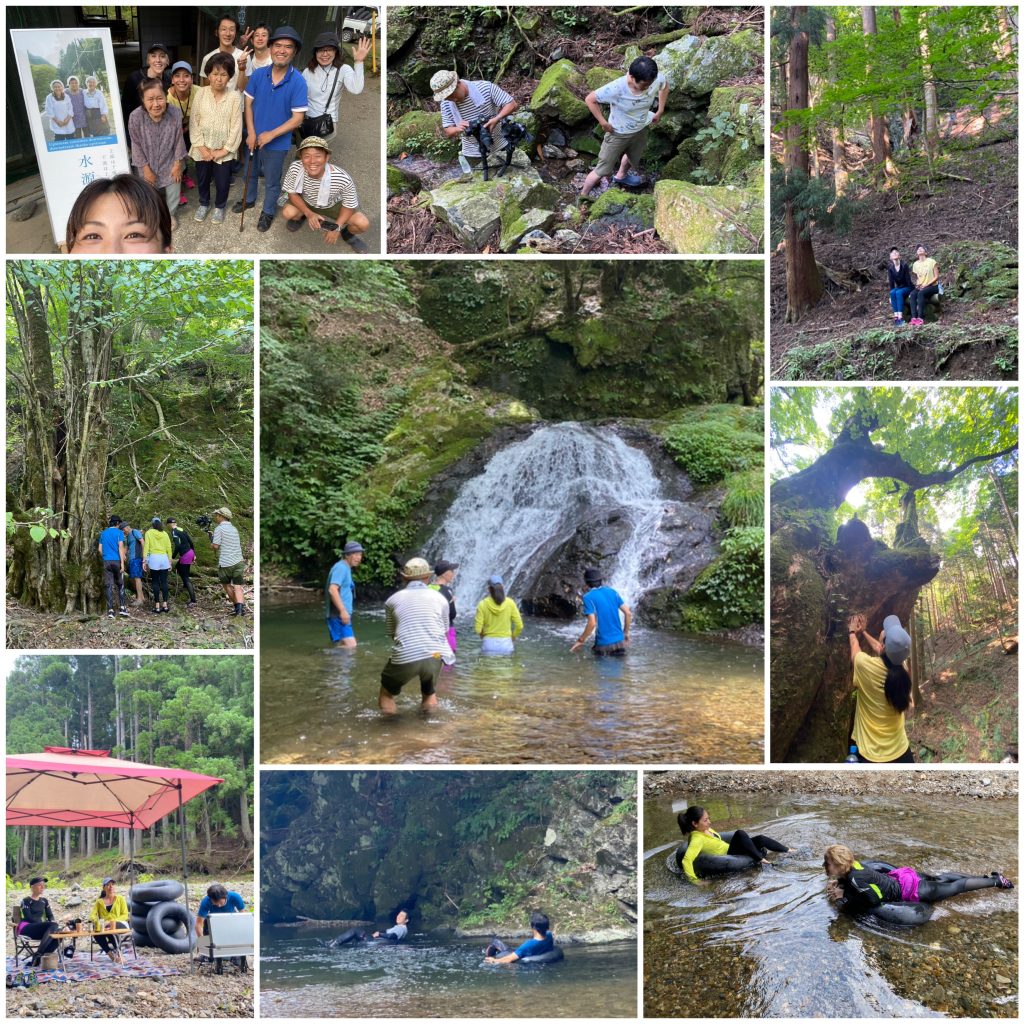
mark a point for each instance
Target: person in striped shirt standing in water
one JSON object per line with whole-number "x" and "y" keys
{"x": 417, "y": 622}
{"x": 464, "y": 102}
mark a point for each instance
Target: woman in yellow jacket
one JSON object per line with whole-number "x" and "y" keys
{"x": 156, "y": 556}
{"x": 695, "y": 824}
{"x": 109, "y": 911}
{"x": 497, "y": 619}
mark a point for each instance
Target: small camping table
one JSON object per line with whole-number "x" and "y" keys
{"x": 83, "y": 933}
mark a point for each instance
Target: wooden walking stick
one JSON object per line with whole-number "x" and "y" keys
{"x": 245, "y": 191}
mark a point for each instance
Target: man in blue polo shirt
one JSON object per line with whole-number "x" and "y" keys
{"x": 218, "y": 900}
{"x": 540, "y": 943}
{"x": 111, "y": 550}
{"x": 275, "y": 104}
{"x": 602, "y": 606}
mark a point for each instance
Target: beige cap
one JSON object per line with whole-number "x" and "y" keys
{"x": 225, "y": 512}
{"x": 443, "y": 84}
{"x": 314, "y": 141}
{"x": 415, "y": 568}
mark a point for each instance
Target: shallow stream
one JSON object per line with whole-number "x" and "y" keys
{"x": 767, "y": 943}
{"x": 670, "y": 699}
{"x": 434, "y": 978}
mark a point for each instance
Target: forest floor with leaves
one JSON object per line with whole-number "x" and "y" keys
{"x": 969, "y": 701}
{"x": 195, "y": 992}
{"x": 849, "y": 334}
{"x": 209, "y": 626}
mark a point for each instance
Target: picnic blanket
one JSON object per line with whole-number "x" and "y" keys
{"x": 96, "y": 970}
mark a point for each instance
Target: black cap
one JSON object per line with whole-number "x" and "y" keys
{"x": 36, "y": 880}
{"x": 159, "y": 46}
{"x": 327, "y": 39}
{"x": 442, "y": 567}
{"x": 592, "y": 576}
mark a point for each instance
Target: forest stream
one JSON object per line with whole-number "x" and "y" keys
{"x": 671, "y": 698}
{"x": 767, "y": 943}
{"x": 438, "y": 978}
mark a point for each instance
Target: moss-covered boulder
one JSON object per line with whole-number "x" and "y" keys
{"x": 417, "y": 75}
{"x": 419, "y": 131}
{"x": 403, "y": 23}
{"x": 401, "y": 181}
{"x": 740, "y": 108}
{"x": 558, "y": 93}
{"x": 517, "y": 222}
{"x": 636, "y": 208}
{"x": 586, "y": 142}
{"x": 698, "y": 65}
{"x": 685, "y": 161}
{"x": 475, "y": 209}
{"x": 981, "y": 271}
{"x": 708, "y": 218}
{"x": 598, "y": 76}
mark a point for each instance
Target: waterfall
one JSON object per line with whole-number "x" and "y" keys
{"x": 533, "y": 496}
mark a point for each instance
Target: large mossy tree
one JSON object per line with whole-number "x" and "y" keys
{"x": 121, "y": 379}
{"x": 917, "y": 455}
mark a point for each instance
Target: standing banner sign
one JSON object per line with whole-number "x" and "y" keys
{"x": 69, "y": 83}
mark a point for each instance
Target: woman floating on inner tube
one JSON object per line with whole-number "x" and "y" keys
{"x": 695, "y": 824}
{"x": 897, "y": 894}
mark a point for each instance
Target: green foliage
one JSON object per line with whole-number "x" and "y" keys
{"x": 569, "y": 18}
{"x": 744, "y": 499}
{"x": 730, "y": 592}
{"x": 814, "y": 203}
{"x": 716, "y": 445}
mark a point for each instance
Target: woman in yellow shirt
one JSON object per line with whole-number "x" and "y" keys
{"x": 926, "y": 277}
{"x": 156, "y": 557}
{"x": 110, "y": 911}
{"x": 695, "y": 824}
{"x": 498, "y": 620}
{"x": 883, "y": 692}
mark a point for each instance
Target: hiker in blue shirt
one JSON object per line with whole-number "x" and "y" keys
{"x": 541, "y": 942}
{"x": 602, "y": 606}
{"x": 339, "y": 595}
{"x": 133, "y": 541}
{"x": 111, "y": 550}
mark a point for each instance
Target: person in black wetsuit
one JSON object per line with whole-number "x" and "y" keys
{"x": 183, "y": 555}
{"x": 862, "y": 889}
{"x": 37, "y": 920}
{"x": 396, "y": 933}
{"x": 444, "y": 576}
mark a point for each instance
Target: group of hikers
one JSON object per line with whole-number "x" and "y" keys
{"x": 126, "y": 550}
{"x": 252, "y": 106}
{"x": 851, "y": 885}
{"x": 635, "y": 101}
{"x": 420, "y": 619}
{"x": 913, "y": 285}
{"x": 110, "y": 911}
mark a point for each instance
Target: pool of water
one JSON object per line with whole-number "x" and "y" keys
{"x": 767, "y": 943}
{"x": 671, "y": 699}
{"x": 433, "y": 978}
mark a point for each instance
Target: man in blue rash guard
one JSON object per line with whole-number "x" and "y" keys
{"x": 542, "y": 942}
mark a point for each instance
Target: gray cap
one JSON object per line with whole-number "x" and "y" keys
{"x": 181, "y": 65}
{"x": 897, "y": 640}
{"x": 351, "y": 547}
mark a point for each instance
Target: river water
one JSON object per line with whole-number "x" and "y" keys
{"x": 433, "y": 978}
{"x": 671, "y": 699}
{"x": 767, "y": 943}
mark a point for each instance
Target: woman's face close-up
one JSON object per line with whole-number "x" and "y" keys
{"x": 58, "y": 90}
{"x": 218, "y": 79}
{"x": 110, "y": 229}
{"x": 325, "y": 56}
{"x": 155, "y": 103}
{"x": 158, "y": 61}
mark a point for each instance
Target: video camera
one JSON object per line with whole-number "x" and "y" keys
{"x": 204, "y": 522}
{"x": 512, "y": 133}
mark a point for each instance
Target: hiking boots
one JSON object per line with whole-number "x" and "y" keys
{"x": 266, "y": 219}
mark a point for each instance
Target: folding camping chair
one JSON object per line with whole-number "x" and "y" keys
{"x": 24, "y": 946}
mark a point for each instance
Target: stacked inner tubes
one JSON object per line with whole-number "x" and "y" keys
{"x": 157, "y": 919}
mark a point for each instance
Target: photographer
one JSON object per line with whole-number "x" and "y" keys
{"x": 183, "y": 554}
{"x": 463, "y": 103}
{"x": 230, "y": 563}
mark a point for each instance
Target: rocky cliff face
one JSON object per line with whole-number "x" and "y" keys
{"x": 456, "y": 850}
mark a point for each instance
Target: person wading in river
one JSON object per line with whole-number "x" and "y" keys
{"x": 602, "y": 606}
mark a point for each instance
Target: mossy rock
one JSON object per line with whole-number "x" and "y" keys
{"x": 729, "y": 162}
{"x": 686, "y": 160}
{"x": 598, "y": 76}
{"x": 707, "y": 218}
{"x": 980, "y": 271}
{"x": 401, "y": 181}
{"x": 403, "y": 23}
{"x": 558, "y": 93}
{"x": 698, "y": 65}
{"x": 516, "y": 222}
{"x": 616, "y": 201}
{"x": 585, "y": 142}
{"x": 417, "y": 74}
{"x": 419, "y": 131}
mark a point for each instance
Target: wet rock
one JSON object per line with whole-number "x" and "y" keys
{"x": 598, "y": 76}
{"x": 557, "y": 94}
{"x": 634, "y": 209}
{"x": 708, "y": 219}
{"x": 557, "y": 137}
{"x": 402, "y": 26}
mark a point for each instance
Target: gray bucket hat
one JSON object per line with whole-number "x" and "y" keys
{"x": 897, "y": 640}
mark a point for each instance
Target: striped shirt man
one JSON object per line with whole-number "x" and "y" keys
{"x": 417, "y": 622}
{"x": 342, "y": 190}
{"x": 483, "y": 101}
{"x": 229, "y": 547}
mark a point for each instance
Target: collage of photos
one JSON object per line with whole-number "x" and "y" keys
{"x": 512, "y": 512}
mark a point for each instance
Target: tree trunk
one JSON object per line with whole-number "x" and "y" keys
{"x": 931, "y": 96}
{"x": 840, "y": 174}
{"x": 881, "y": 149}
{"x": 243, "y": 810}
{"x": 803, "y": 281}
{"x": 67, "y": 850}
{"x": 46, "y": 846}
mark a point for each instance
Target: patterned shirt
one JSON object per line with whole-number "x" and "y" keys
{"x": 216, "y": 124}
{"x": 230, "y": 550}
{"x": 482, "y": 102}
{"x": 629, "y": 112}
{"x": 157, "y": 143}
{"x": 417, "y": 622}
{"x": 343, "y": 189}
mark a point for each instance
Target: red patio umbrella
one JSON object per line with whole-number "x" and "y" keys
{"x": 63, "y": 787}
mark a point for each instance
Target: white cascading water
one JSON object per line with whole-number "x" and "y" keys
{"x": 533, "y": 495}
